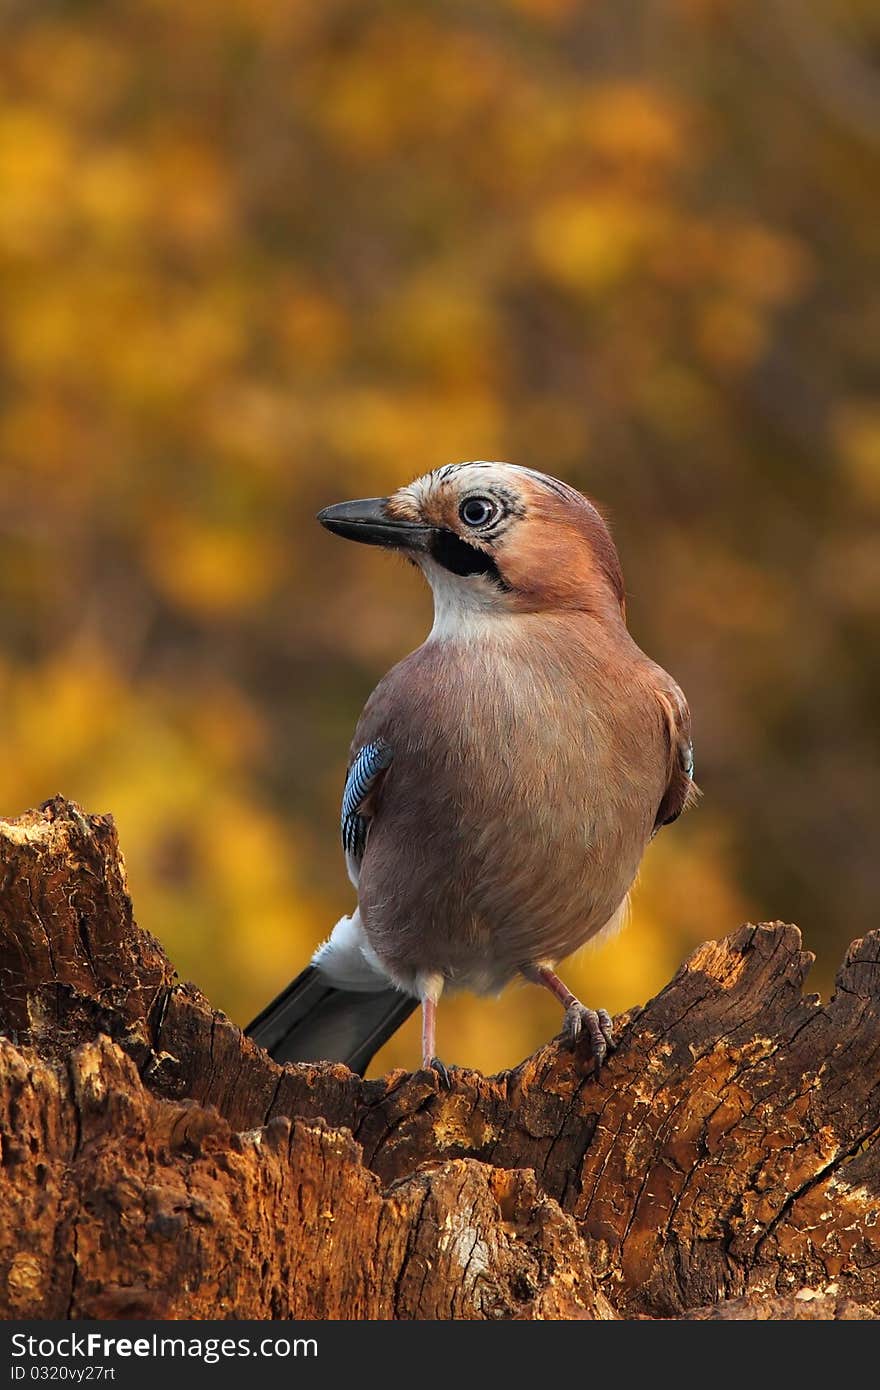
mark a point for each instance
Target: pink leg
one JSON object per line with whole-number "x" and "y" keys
{"x": 596, "y": 1024}
{"x": 543, "y": 975}
{"x": 429, "y": 1027}
{"x": 431, "y": 989}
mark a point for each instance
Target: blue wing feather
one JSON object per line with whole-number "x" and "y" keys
{"x": 370, "y": 762}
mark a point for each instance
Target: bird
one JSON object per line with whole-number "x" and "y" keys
{"x": 505, "y": 778}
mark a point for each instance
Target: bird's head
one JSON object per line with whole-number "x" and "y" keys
{"x": 494, "y": 538}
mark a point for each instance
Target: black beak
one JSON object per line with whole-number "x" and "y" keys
{"x": 367, "y": 522}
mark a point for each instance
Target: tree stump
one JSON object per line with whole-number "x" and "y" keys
{"x": 156, "y": 1163}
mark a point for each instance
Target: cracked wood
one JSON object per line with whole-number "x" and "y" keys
{"x": 725, "y": 1160}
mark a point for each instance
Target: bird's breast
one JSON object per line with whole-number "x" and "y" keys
{"x": 513, "y": 816}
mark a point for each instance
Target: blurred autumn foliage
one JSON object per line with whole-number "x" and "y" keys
{"x": 262, "y": 255}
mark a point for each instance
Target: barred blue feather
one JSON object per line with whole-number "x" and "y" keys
{"x": 372, "y": 760}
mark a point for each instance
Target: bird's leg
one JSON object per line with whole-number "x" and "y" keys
{"x": 579, "y": 1020}
{"x": 430, "y": 989}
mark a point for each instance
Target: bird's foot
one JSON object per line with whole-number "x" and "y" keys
{"x": 441, "y": 1071}
{"x": 592, "y": 1025}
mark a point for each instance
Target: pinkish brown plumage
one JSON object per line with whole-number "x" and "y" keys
{"x": 507, "y": 776}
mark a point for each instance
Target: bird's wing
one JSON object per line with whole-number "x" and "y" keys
{"x": 368, "y": 768}
{"x": 681, "y": 789}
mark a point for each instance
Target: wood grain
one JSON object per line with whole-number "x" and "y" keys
{"x": 155, "y": 1162}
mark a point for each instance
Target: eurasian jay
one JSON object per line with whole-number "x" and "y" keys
{"x": 504, "y": 779}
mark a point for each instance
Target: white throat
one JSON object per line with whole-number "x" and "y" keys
{"x": 465, "y": 609}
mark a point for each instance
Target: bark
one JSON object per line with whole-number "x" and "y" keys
{"x": 153, "y": 1162}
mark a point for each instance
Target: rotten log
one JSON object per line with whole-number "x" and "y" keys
{"x": 156, "y": 1163}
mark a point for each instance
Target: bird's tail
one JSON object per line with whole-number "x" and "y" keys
{"x": 313, "y": 1021}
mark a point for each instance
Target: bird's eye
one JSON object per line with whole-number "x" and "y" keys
{"x": 477, "y": 511}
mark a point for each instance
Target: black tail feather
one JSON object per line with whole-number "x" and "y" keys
{"x": 312, "y": 1021}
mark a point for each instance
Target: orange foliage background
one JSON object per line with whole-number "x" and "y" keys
{"x": 262, "y": 255}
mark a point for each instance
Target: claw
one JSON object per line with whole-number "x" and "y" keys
{"x": 607, "y": 1027}
{"x": 595, "y": 1025}
{"x": 579, "y": 1020}
{"x": 444, "y": 1078}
